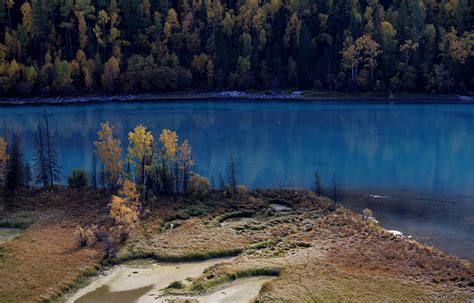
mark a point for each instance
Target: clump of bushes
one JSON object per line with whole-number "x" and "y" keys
{"x": 366, "y": 214}
{"x": 84, "y": 236}
{"x": 176, "y": 285}
{"x": 110, "y": 249}
{"x": 125, "y": 208}
{"x": 266, "y": 288}
{"x": 78, "y": 179}
{"x": 121, "y": 233}
{"x": 100, "y": 233}
{"x": 198, "y": 186}
{"x": 240, "y": 191}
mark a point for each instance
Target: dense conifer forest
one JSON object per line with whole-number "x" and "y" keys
{"x": 61, "y": 47}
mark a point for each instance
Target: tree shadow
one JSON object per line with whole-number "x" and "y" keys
{"x": 103, "y": 294}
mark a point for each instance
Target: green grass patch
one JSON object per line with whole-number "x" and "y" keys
{"x": 133, "y": 254}
{"x": 176, "y": 285}
{"x": 265, "y": 244}
{"x": 204, "y": 286}
{"x": 20, "y": 221}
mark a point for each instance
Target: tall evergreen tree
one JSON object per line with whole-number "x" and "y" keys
{"x": 317, "y": 184}
{"x": 232, "y": 176}
{"x": 40, "y": 166}
{"x": 27, "y": 175}
{"x": 15, "y": 168}
{"x": 52, "y": 157}
{"x": 94, "y": 171}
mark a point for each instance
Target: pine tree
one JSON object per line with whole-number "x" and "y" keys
{"x": 318, "y": 187}
{"x": 52, "y": 158}
{"x": 232, "y": 176}
{"x": 94, "y": 171}
{"x": 40, "y": 163}
{"x": 221, "y": 182}
{"x": 27, "y": 175}
{"x": 15, "y": 169}
{"x": 334, "y": 192}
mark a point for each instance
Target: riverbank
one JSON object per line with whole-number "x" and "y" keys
{"x": 244, "y": 95}
{"x": 315, "y": 252}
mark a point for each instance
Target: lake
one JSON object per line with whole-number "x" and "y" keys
{"x": 418, "y": 157}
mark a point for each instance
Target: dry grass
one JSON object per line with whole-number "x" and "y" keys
{"x": 321, "y": 255}
{"x": 46, "y": 258}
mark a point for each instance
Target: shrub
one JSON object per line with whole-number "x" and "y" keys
{"x": 99, "y": 233}
{"x": 366, "y": 214}
{"x": 110, "y": 249}
{"x": 241, "y": 190}
{"x": 78, "y": 179}
{"x": 125, "y": 208}
{"x": 121, "y": 233}
{"x": 198, "y": 186}
{"x": 266, "y": 287}
{"x": 176, "y": 285}
{"x": 84, "y": 236}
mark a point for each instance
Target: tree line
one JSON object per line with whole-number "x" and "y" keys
{"x": 15, "y": 172}
{"x": 161, "y": 166}
{"x": 121, "y": 46}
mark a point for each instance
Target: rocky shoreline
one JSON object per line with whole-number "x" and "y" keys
{"x": 241, "y": 95}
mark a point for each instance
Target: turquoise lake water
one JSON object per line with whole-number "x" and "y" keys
{"x": 419, "y": 157}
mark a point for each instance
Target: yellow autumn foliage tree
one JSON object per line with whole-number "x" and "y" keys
{"x": 169, "y": 139}
{"x": 109, "y": 151}
{"x": 140, "y": 151}
{"x": 185, "y": 165}
{"x": 125, "y": 207}
{"x": 177, "y": 160}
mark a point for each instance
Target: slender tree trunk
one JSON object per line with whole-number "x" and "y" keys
{"x": 94, "y": 172}
{"x": 48, "y": 146}
{"x": 43, "y": 174}
{"x": 233, "y": 177}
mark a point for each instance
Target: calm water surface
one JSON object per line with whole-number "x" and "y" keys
{"x": 421, "y": 157}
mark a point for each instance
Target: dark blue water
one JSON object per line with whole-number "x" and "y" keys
{"x": 420, "y": 156}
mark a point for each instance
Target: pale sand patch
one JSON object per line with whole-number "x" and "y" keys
{"x": 280, "y": 207}
{"x": 139, "y": 281}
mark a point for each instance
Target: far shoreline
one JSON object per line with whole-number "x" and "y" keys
{"x": 261, "y": 96}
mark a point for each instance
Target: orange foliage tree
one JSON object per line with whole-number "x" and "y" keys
{"x": 125, "y": 207}
{"x": 109, "y": 151}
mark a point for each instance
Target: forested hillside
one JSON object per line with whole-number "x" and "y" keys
{"x": 117, "y": 46}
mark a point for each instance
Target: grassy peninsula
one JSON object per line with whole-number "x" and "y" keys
{"x": 318, "y": 253}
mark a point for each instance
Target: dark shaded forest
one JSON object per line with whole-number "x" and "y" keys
{"x": 61, "y": 47}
